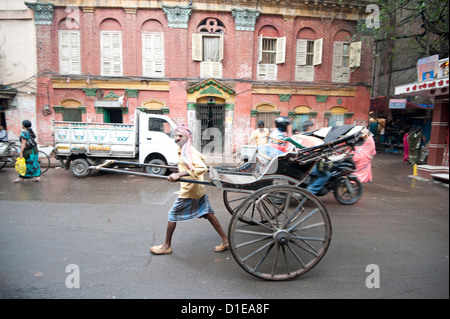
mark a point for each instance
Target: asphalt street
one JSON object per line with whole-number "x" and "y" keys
{"x": 95, "y": 233}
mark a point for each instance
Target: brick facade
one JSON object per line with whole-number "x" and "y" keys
{"x": 239, "y": 65}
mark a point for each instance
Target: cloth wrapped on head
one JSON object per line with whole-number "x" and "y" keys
{"x": 186, "y": 151}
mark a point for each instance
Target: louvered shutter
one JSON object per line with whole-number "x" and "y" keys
{"x": 260, "y": 41}
{"x": 318, "y": 52}
{"x": 197, "y": 47}
{"x": 301, "y": 51}
{"x": 221, "y": 48}
{"x": 355, "y": 54}
{"x": 337, "y": 54}
{"x": 267, "y": 72}
{"x": 211, "y": 70}
{"x": 111, "y": 53}
{"x": 69, "y": 52}
{"x": 153, "y": 54}
{"x": 339, "y": 73}
{"x": 281, "y": 50}
{"x": 304, "y": 73}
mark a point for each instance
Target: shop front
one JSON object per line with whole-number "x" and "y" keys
{"x": 437, "y": 89}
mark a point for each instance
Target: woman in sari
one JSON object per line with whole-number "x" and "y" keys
{"x": 29, "y": 151}
{"x": 363, "y": 156}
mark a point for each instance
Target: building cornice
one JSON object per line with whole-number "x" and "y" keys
{"x": 325, "y": 9}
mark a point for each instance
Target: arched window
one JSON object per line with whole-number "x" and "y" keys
{"x": 152, "y": 107}
{"x": 266, "y": 112}
{"x": 301, "y": 115}
{"x": 71, "y": 110}
{"x": 69, "y": 47}
{"x": 308, "y": 54}
{"x": 153, "y": 49}
{"x": 337, "y": 116}
{"x": 111, "y": 48}
{"x": 346, "y": 55}
{"x": 208, "y": 47}
{"x": 271, "y": 52}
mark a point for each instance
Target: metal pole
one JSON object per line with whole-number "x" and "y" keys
{"x": 99, "y": 168}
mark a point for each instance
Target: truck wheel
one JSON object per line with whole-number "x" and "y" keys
{"x": 156, "y": 170}
{"x": 79, "y": 168}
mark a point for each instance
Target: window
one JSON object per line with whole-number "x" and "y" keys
{"x": 271, "y": 51}
{"x": 69, "y": 52}
{"x": 160, "y": 125}
{"x": 309, "y": 54}
{"x": 266, "y": 113}
{"x": 71, "y": 115}
{"x": 346, "y": 55}
{"x": 337, "y": 116}
{"x": 153, "y": 54}
{"x": 111, "y": 53}
{"x": 208, "y": 47}
{"x": 298, "y": 121}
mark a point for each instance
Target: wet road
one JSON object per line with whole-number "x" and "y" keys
{"x": 105, "y": 225}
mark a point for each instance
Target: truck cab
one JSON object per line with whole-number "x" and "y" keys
{"x": 156, "y": 141}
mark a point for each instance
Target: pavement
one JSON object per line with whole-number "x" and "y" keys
{"x": 103, "y": 226}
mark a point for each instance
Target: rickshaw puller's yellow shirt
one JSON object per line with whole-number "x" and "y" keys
{"x": 191, "y": 190}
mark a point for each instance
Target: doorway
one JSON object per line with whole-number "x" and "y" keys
{"x": 112, "y": 115}
{"x": 212, "y": 125}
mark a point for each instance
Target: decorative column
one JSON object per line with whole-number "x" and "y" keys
{"x": 43, "y": 19}
{"x": 177, "y": 16}
{"x": 243, "y": 54}
{"x": 245, "y": 19}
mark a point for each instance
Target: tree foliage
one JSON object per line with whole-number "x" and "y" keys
{"x": 424, "y": 22}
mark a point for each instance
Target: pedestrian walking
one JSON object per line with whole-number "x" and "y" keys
{"x": 29, "y": 151}
{"x": 415, "y": 140}
{"x": 192, "y": 202}
{"x": 406, "y": 146}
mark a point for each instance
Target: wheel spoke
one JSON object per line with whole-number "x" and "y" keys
{"x": 237, "y": 199}
{"x": 286, "y": 260}
{"x": 297, "y": 210}
{"x": 308, "y": 238}
{"x": 264, "y": 257}
{"x": 258, "y": 250}
{"x": 251, "y": 242}
{"x": 296, "y": 256}
{"x": 314, "y": 211}
{"x": 311, "y": 249}
{"x": 242, "y": 231}
{"x": 275, "y": 260}
{"x": 289, "y": 240}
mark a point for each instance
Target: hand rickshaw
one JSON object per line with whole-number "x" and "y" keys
{"x": 278, "y": 230}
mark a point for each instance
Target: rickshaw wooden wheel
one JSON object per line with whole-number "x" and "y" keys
{"x": 286, "y": 246}
{"x": 234, "y": 199}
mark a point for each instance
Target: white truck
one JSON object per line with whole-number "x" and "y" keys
{"x": 150, "y": 140}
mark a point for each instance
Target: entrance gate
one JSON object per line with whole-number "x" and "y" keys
{"x": 212, "y": 122}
